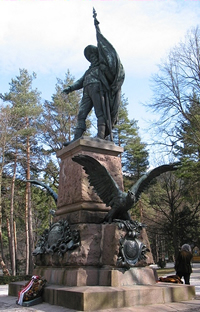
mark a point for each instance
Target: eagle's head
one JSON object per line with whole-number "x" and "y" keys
{"x": 131, "y": 197}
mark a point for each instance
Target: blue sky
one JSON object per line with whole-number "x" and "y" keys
{"x": 49, "y": 36}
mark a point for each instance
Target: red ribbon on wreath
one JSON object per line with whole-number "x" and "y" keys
{"x": 28, "y": 286}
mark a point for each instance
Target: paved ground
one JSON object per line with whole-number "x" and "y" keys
{"x": 8, "y": 303}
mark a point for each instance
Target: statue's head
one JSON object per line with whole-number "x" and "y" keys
{"x": 90, "y": 51}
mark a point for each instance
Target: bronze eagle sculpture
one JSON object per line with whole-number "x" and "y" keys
{"x": 107, "y": 189}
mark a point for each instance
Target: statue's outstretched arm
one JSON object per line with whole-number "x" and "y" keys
{"x": 75, "y": 86}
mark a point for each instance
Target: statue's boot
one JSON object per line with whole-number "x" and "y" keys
{"x": 77, "y": 135}
{"x": 101, "y": 131}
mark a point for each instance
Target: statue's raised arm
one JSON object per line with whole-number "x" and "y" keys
{"x": 111, "y": 72}
{"x": 96, "y": 22}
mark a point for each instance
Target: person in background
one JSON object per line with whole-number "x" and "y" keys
{"x": 183, "y": 263}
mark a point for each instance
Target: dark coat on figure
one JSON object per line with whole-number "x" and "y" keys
{"x": 183, "y": 262}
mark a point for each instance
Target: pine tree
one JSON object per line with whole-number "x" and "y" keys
{"x": 60, "y": 116}
{"x": 126, "y": 134}
{"x": 26, "y": 108}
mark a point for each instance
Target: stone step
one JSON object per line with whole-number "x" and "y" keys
{"x": 90, "y": 276}
{"x": 92, "y": 298}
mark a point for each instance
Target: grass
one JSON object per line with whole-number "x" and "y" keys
{"x": 165, "y": 271}
{"x": 8, "y": 279}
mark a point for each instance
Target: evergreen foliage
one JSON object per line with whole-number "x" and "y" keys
{"x": 135, "y": 156}
{"x": 59, "y": 116}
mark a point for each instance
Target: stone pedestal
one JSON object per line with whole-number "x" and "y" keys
{"x": 99, "y": 248}
{"x": 76, "y": 200}
{"x": 100, "y": 244}
{"x": 92, "y": 276}
{"x": 88, "y": 277}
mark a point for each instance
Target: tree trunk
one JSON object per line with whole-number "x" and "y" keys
{"x": 1, "y": 244}
{"x": 69, "y": 121}
{"x": 9, "y": 238}
{"x": 29, "y": 211}
{"x": 12, "y": 233}
{"x": 175, "y": 241}
{"x": 4, "y": 268}
{"x": 1, "y": 241}
{"x": 15, "y": 239}
{"x": 27, "y": 230}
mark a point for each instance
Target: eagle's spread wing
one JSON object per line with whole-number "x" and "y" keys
{"x": 144, "y": 181}
{"x": 101, "y": 180}
{"x": 51, "y": 192}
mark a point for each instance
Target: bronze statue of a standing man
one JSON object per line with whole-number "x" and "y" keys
{"x": 101, "y": 85}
